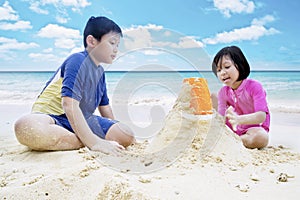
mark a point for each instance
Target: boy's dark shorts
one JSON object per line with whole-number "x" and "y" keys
{"x": 99, "y": 125}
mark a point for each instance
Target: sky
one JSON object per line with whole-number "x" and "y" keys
{"x": 172, "y": 34}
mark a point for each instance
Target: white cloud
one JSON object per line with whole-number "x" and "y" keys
{"x": 252, "y": 32}
{"x": 153, "y": 35}
{"x": 140, "y": 28}
{"x": 46, "y": 57}
{"x": 9, "y": 19}
{"x": 7, "y": 12}
{"x": 262, "y": 21}
{"x": 48, "y": 50}
{"x": 35, "y": 7}
{"x": 188, "y": 42}
{"x": 65, "y": 38}
{"x": 75, "y": 50}
{"x": 7, "y": 44}
{"x": 137, "y": 37}
{"x": 283, "y": 48}
{"x": 106, "y": 11}
{"x": 75, "y": 3}
{"x": 56, "y": 31}
{"x": 62, "y": 20}
{"x": 65, "y": 43}
{"x": 60, "y": 6}
{"x": 155, "y": 44}
{"x": 19, "y": 25}
{"x": 228, "y": 7}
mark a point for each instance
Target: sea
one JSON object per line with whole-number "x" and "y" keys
{"x": 154, "y": 87}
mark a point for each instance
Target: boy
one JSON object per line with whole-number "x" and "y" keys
{"x": 69, "y": 99}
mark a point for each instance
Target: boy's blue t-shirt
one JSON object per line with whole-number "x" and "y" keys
{"x": 79, "y": 78}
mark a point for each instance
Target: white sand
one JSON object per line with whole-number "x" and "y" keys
{"x": 203, "y": 161}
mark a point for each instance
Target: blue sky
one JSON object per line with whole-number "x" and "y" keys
{"x": 38, "y": 35}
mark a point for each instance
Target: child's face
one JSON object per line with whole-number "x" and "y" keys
{"x": 227, "y": 72}
{"x": 106, "y": 50}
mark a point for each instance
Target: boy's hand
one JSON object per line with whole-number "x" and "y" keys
{"x": 108, "y": 147}
{"x": 232, "y": 117}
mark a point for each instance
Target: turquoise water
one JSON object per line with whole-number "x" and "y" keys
{"x": 283, "y": 87}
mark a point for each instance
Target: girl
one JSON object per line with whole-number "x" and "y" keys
{"x": 242, "y": 100}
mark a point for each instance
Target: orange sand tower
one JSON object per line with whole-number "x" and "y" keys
{"x": 200, "y": 96}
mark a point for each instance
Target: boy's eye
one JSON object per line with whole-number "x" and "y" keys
{"x": 113, "y": 41}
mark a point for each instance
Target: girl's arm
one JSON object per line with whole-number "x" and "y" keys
{"x": 253, "y": 118}
{"x": 259, "y": 115}
{"x": 83, "y": 131}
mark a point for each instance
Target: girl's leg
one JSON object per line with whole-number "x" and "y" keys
{"x": 255, "y": 137}
{"x": 121, "y": 134}
{"x": 39, "y": 132}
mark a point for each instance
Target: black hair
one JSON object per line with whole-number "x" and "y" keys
{"x": 238, "y": 59}
{"x": 99, "y": 26}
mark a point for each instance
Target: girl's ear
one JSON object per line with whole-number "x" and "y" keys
{"x": 91, "y": 41}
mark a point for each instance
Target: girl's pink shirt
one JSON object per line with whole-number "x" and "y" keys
{"x": 248, "y": 98}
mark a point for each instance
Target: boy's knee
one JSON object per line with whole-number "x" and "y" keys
{"x": 121, "y": 134}
{"x": 21, "y": 128}
{"x": 25, "y": 132}
{"x": 127, "y": 136}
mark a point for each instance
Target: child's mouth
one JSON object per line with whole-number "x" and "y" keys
{"x": 225, "y": 79}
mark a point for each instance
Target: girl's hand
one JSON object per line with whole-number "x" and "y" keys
{"x": 108, "y": 147}
{"x": 232, "y": 117}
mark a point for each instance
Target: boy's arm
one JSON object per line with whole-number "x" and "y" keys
{"x": 106, "y": 111}
{"x": 82, "y": 130}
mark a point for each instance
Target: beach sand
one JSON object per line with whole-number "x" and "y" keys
{"x": 203, "y": 161}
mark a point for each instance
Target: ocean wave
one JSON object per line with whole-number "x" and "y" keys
{"x": 17, "y": 97}
{"x": 287, "y": 107}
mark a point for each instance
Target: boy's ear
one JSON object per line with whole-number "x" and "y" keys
{"x": 91, "y": 41}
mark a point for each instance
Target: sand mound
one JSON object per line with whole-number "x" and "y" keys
{"x": 184, "y": 136}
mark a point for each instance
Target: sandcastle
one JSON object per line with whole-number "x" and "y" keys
{"x": 200, "y": 101}
{"x": 191, "y": 128}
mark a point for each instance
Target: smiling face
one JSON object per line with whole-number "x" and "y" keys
{"x": 228, "y": 73}
{"x": 105, "y": 50}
